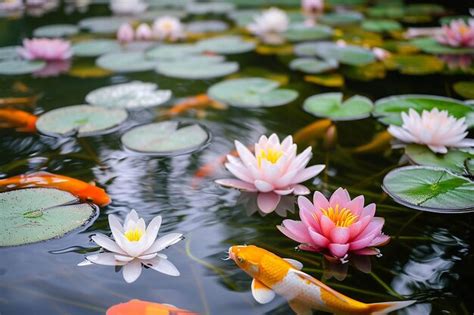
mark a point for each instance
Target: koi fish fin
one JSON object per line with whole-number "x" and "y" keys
{"x": 387, "y": 307}
{"x": 296, "y": 264}
{"x": 261, "y": 293}
{"x": 300, "y": 308}
{"x": 321, "y": 285}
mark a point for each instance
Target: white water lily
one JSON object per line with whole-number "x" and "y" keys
{"x": 169, "y": 28}
{"x": 436, "y": 129}
{"x": 134, "y": 245}
{"x": 128, "y": 7}
{"x": 270, "y": 24}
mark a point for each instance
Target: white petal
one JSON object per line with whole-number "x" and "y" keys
{"x": 107, "y": 259}
{"x": 163, "y": 242}
{"x": 163, "y": 266}
{"x": 152, "y": 231}
{"x": 106, "y": 243}
{"x": 84, "y": 263}
{"x": 132, "y": 271}
{"x": 124, "y": 258}
{"x": 263, "y": 186}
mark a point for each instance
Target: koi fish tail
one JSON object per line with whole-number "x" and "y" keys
{"x": 387, "y": 307}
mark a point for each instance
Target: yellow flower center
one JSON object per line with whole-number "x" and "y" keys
{"x": 341, "y": 217}
{"x": 270, "y": 155}
{"x": 134, "y": 235}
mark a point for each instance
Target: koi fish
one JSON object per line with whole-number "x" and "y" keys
{"x": 138, "y": 307}
{"x": 312, "y": 131}
{"x": 274, "y": 275}
{"x": 83, "y": 190}
{"x": 209, "y": 169}
{"x": 379, "y": 143}
{"x": 199, "y": 101}
{"x": 12, "y": 101}
{"x": 23, "y": 121}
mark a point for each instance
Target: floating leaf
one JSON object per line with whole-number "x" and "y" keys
{"x": 274, "y": 50}
{"x": 369, "y": 72}
{"x": 226, "y": 45}
{"x": 313, "y": 65}
{"x": 207, "y": 26}
{"x": 56, "y": 30}
{"x": 209, "y": 7}
{"x": 329, "y": 80}
{"x": 346, "y": 54}
{"x": 80, "y": 120}
{"x": 430, "y": 189}
{"x": 251, "y": 92}
{"x": 381, "y": 25}
{"x": 38, "y": 214}
{"x": 414, "y": 64}
{"x": 301, "y": 32}
{"x": 9, "y": 52}
{"x": 166, "y": 138}
{"x": 95, "y": 47}
{"x": 16, "y": 67}
{"x": 130, "y": 95}
{"x": 173, "y": 51}
{"x": 454, "y": 160}
{"x": 126, "y": 62}
{"x": 431, "y": 46}
{"x": 202, "y": 67}
{"x": 341, "y": 18}
{"x": 386, "y": 11}
{"x": 465, "y": 89}
{"x": 330, "y": 105}
{"x": 103, "y": 24}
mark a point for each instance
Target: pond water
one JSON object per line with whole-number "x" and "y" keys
{"x": 429, "y": 257}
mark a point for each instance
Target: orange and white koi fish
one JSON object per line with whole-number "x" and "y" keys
{"x": 274, "y": 275}
{"x": 138, "y": 307}
{"x": 196, "y": 102}
{"x": 83, "y": 190}
{"x": 21, "y": 120}
{"x": 379, "y": 143}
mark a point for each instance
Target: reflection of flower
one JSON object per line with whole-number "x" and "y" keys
{"x": 454, "y": 62}
{"x": 248, "y": 200}
{"x": 53, "y": 68}
{"x": 169, "y": 28}
{"x": 336, "y": 227}
{"x": 143, "y": 32}
{"x": 335, "y": 268}
{"x": 125, "y": 33}
{"x": 45, "y": 49}
{"x": 273, "y": 171}
{"x": 269, "y": 25}
{"x": 311, "y": 10}
{"x": 126, "y": 7}
{"x": 458, "y": 33}
{"x": 134, "y": 245}
{"x": 436, "y": 129}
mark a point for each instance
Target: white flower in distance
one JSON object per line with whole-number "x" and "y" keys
{"x": 274, "y": 170}
{"x": 436, "y": 129}
{"x": 128, "y": 7}
{"x": 168, "y": 28}
{"x": 271, "y": 21}
{"x": 134, "y": 245}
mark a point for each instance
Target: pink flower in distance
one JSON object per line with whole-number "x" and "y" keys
{"x": 125, "y": 33}
{"x": 312, "y": 8}
{"x": 143, "y": 32}
{"x": 458, "y": 33}
{"x": 45, "y": 49}
{"x": 336, "y": 227}
{"x": 274, "y": 170}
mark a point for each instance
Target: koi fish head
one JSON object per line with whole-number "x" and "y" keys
{"x": 95, "y": 195}
{"x": 247, "y": 257}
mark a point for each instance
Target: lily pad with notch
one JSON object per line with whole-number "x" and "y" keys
{"x": 332, "y": 106}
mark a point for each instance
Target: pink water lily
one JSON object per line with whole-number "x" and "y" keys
{"x": 336, "y": 227}
{"x": 311, "y": 10}
{"x": 45, "y": 49}
{"x": 458, "y": 33}
{"x": 274, "y": 170}
{"x": 125, "y": 33}
{"x": 143, "y": 32}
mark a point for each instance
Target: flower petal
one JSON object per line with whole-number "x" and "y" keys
{"x": 162, "y": 265}
{"x": 106, "y": 259}
{"x": 338, "y": 250}
{"x": 132, "y": 271}
{"x": 267, "y": 202}
{"x": 163, "y": 242}
{"x": 237, "y": 184}
{"x": 318, "y": 239}
{"x": 295, "y": 230}
{"x": 106, "y": 243}
{"x": 340, "y": 235}
{"x": 263, "y": 186}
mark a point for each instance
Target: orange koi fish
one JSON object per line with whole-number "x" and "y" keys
{"x": 23, "y": 121}
{"x": 83, "y": 190}
{"x": 199, "y": 101}
{"x": 274, "y": 275}
{"x": 379, "y": 143}
{"x": 138, "y": 307}
{"x": 313, "y": 131}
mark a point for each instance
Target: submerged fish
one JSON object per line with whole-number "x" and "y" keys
{"x": 312, "y": 131}
{"x": 21, "y": 120}
{"x": 83, "y": 190}
{"x": 196, "y": 102}
{"x": 138, "y": 307}
{"x": 379, "y": 143}
{"x": 272, "y": 274}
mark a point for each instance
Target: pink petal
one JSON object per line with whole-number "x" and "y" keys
{"x": 375, "y": 226}
{"x": 368, "y": 251}
{"x": 308, "y": 173}
{"x": 338, "y": 250}
{"x": 356, "y": 205}
{"x": 357, "y": 227}
{"x": 300, "y": 190}
{"x": 310, "y": 248}
{"x": 235, "y": 183}
{"x": 283, "y": 192}
{"x": 339, "y": 197}
{"x": 267, "y": 202}
{"x": 320, "y": 202}
{"x": 340, "y": 235}
{"x": 318, "y": 239}
{"x": 263, "y": 186}
{"x": 362, "y": 242}
{"x": 380, "y": 240}
{"x": 326, "y": 225}
{"x": 369, "y": 210}
{"x": 295, "y": 230}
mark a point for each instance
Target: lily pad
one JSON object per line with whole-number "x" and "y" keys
{"x": 126, "y": 62}
{"x": 326, "y": 79}
{"x": 454, "y": 160}
{"x": 389, "y": 109}
{"x": 103, "y": 24}
{"x": 431, "y": 46}
{"x": 166, "y": 138}
{"x": 9, "y": 52}
{"x": 202, "y": 67}
{"x": 95, "y": 47}
{"x": 173, "y": 51}
{"x": 226, "y": 45}
{"x": 80, "y": 120}
{"x": 16, "y": 67}
{"x": 330, "y": 105}
{"x": 381, "y": 25}
{"x": 130, "y": 95}
{"x": 301, "y": 32}
{"x": 251, "y": 92}
{"x": 207, "y": 26}
{"x": 38, "y": 214}
{"x": 465, "y": 89}
{"x": 56, "y": 30}
{"x": 209, "y": 7}
{"x": 430, "y": 189}
{"x": 414, "y": 64}
{"x": 345, "y": 54}
{"x": 313, "y": 65}
{"x": 341, "y": 18}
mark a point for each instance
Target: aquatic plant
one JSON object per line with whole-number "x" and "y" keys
{"x": 45, "y": 49}
{"x": 143, "y": 32}
{"x": 269, "y": 25}
{"x": 458, "y": 33}
{"x": 168, "y": 28}
{"x": 336, "y": 227}
{"x": 436, "y": 129}
{"x": 134, "y": 245}
{"x": 128, "y": 7}
{"x": 273, "y": 170}
{"x": 311, "y": 10}
{"x": 125, "y": 33}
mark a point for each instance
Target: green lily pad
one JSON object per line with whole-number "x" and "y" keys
{"x": 430, "y": 189}
{"x": 56, "y": 30}
{"x": 381, "y": 25}
{"x": 414, "y": 64}
{"x": 431, "y": 46}
{"x": 341, "y": 18}
{"x": 173, "y": 51}
{"x": 386, "y": 11}
{"x": 420, "y": 9}
{"x": 201, "y": 67}
{"x": 126, "y": 62}
{"x": 330, "y": 105}
{"x": 465, "y": 89}
{"x": 130, "y": 95}
{"x": 9, "y": 52}
{"x": 313, "y": 65}
{"x": 103, "y": 24}
{"x": 80, "y": 120}
{"x": 95, "y": 47}
{"x": 251, "y": 92}
{"x": 209, "y": 7}
{"x": 207, "y": 26}
{"x": 349, "y": 54}
{"x": 38, "y": 214}
{"x": 226, "y": 45}
{"x": 16, "y": 67}
{"x": 166, "y": 138}
{"x": 454, "y": 160}
{"x": 151, "y": 15}
{"x": 388, "y": 110}
{"x": 300, "y": 32}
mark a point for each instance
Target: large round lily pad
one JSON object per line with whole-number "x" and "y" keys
{"x": 389, "y": 109}
{"x": 313, "y": 65}
{"x": 330, "y": 105}
{"x": 341, "y": 18}
{"x": 56, "y": 30}
{"x": 38, "y": 214}
{"x": 209, "y": 7}
{"x": 300, "y": 32}
{"x": 130, "y": 95}
{"x": 345, "y": 54}
{"x": 80, "y": 120}
{"x": 126, "y": 62}
{"x": 226, "y": 45}
{"x": 16, "y": 67}
{"x": 251, "y": 92}
{"x": 9, "y": 52}
{"x": 430, "y": 189}
{"x": 383, "y": 25}
{"x": 207, "y": 26}
{"x": 201, "y": 67}
{"x": 103, "y": 24}
{"x": 95, "y": 47}
{"x": 166, "y": 138}
{"x": 173, "y": 51}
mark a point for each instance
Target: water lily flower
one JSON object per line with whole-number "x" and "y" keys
{"x": 380, "y": 53}
{"x": 274, "y": 170}
{"x": 457, "y": 62}
{"x": 269, "y": 25}
{"x": 134, "y": 245}
{"x": 45, "y": 49}
{"x": 11, "y": 5}
{"x": 311, "y": 10}
{"x": 436, "y": 129}
{"x": 168, "y": 28}
{"x": 128, "y": 7}
{"x": 125, "y": 33}
{"x": 458, "y": 33}
{"x": 336, "y": 227}
{"x": 143, "y": 32}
